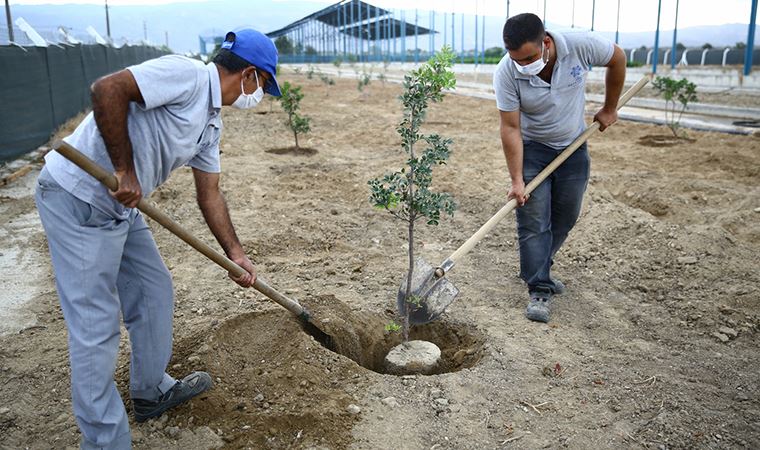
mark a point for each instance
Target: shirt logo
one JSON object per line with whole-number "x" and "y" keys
{"x": 576, "y": 72}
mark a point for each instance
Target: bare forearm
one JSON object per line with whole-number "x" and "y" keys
{"x": 511, "y": 143}
{"x": 614, "y": 79}
{"x": 110, "y": 105}
{"x": 217, "y": 216}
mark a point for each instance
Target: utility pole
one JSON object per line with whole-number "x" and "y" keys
{"x": 657, "y": 38}
{"x": 750, "y": 39}
{"x": 593, "y": 10}
{"x": 675, "y": 43}
{"x": 10, "y": 21}
{"x": 508, "y": 9}
{"x": 572, "y": 20}
{"x": 108, "y": 23}
{"x": 145, "y": 31}
{"x": 544, "y": 13}
{"x": 617, "y": 26}
{"x": 166, "y": 39}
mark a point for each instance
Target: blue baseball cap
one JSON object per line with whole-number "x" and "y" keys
{"x": 254, "y": 47}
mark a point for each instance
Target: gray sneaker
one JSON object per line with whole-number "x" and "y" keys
{"x": 182, "y": 391}
{"x": 559, "y": 287}
{"x": 539, "y": 307}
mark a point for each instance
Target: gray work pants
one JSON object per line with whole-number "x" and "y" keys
{"x": 105, "y": 268}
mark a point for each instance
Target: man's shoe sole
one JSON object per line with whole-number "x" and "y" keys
{"x": 205, "y": 379}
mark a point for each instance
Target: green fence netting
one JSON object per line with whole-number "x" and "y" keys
{"x": 43, "y": 87}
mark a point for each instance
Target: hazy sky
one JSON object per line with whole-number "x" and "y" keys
{"x": 635, "y": 15}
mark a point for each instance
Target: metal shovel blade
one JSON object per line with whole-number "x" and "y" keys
{"x": 435, "y": 294}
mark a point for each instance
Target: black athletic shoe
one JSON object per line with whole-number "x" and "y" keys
{"x": 182, "y": 391}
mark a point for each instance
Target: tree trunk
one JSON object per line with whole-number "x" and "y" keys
{"x": 412, "y": 217}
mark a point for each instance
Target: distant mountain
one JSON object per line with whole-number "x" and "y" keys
{"x": 716, "y": 35}
{"x": 184, "y": 22}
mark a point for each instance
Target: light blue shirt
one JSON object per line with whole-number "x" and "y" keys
{"x": 179, "y": 124}
{"x": 552, "y": 114}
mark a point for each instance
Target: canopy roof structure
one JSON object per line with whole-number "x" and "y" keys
{"x": 351, "y": 29}
{"x": 357, "y": 19}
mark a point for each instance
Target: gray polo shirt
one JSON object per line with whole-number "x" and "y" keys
{"x": 552, "y": 114}
{"x": 179, "y": 124}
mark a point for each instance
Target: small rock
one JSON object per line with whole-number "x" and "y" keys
{"x": 266, "y": 405}
{"x": 413, "y": 357}
{"x": 137, "y": 435}
{"x": 390, "y": 401}
{"x": 177, "y": 366}
{"x": 741, "y": 396}
{"x": 4, "y": 411}
{"x": 721, "y": 337}
{"x": 194, "y": 359}
{"x": 728, "y": 331}
{"x": 441, "y": 401}
{"x": 435, "y": 393}
{"x": 259, "y": 398}
{"x": 353, "y": 409}
{"x": 757, "y": 210}
{"x": 172, "y": 431}
{"x": 687, "y": 259}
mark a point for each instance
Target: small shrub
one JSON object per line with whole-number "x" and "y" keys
{"x": 310, "y": 72}
{"x": 291, "y": 103}
{"x": 326, "y": 79}
{"x": 677, "y": 95}
{"x": 392, "y": 327}
{"x": 364, "y": 80}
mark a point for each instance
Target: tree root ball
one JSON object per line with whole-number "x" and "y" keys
{"x": 413, "y": 357}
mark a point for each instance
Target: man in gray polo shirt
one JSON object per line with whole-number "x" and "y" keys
{"x": 147, "y": 121}
{"x": 540, "y": 93}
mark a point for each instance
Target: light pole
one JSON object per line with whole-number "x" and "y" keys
{"x": 593, "y": 10}
{"x": 617, "y": 26}
{"x": 750, "y": 40}
{"x": 544, "y": 13}
{"x": 656, "y": 38}
{"x": 572, "y": 17}
{"x": 673, "y": 50}
{"x": 10, "y": 22}
{"x": 108, "y": 23}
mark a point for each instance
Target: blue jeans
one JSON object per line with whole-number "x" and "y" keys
{"x": 106, "y": 268}
{"x": 551, "y": 211}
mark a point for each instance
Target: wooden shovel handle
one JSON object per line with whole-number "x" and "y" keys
{"x": 488, "y": 226}
{"x": 150, "y": 210}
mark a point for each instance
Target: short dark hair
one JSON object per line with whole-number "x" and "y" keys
{"x": 230, "y": 61}
{"x": 523, "y": 28}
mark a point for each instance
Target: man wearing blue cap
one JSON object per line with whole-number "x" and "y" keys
{"x": 147, "y": 120}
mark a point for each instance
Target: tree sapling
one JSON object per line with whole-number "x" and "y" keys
{"x": 406, "y": 194}
{"x": 291, "y": 103}
{"x": 674, "y": 92}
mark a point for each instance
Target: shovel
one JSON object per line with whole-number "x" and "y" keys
{"x": 150, "y": 209}
{"x": 433, "y": 292}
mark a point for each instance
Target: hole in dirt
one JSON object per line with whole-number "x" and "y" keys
{"x": 297, "y": 151}
{"x": 361, "y": 337}
{"x": 663, "y": 140}
{"x": 273, "y": 381}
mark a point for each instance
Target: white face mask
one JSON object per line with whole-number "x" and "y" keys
{"x": 248, "y": 101}
{"x": 535, "y": 67}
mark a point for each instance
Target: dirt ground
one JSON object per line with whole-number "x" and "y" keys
{"x": 654, "y": 344}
